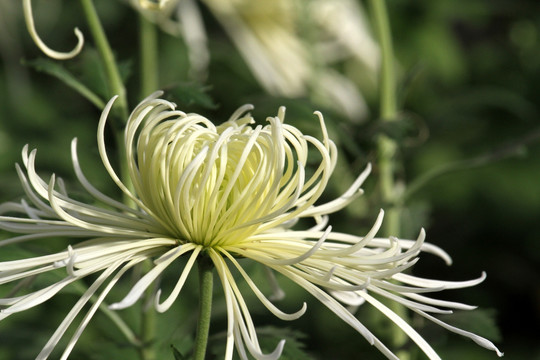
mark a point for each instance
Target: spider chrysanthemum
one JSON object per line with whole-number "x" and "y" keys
{"x": 225, "y": 192}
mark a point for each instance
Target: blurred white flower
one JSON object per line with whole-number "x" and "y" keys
{"x": 226, "y": 192}
{"x": 290, "y": 46}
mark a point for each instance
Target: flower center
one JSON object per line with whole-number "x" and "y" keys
{"x": 210, "y": 186}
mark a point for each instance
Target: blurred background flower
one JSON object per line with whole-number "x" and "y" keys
{"x": 291, "y": 47}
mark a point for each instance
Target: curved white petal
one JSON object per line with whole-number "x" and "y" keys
{"x": 278, "y": 313}
{"x": 477, "y": 339}
{"x": 29, "y": 18}
{"x": 303, "y": 256}
{"x": 61, "y": 329}
{"x": 441, "y": 284}
{"x": 411, "y": 333}
{"x": 164, "y": 306}
{"x": 138, "y": 289}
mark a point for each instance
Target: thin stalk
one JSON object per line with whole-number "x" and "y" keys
{"x": 119, "y": 322}
{"x": 113, "y": 316}
{"x": 149, "y": 69}
{"x": 206, "y": 279}
{"x": 147, "y": 331}
{"x": 515, "y": 148}
{"x": 149, "y": 81}
{"x": 387, "y": 149}
{"x": 116, "y": 86}
{"x": 388, "y": 78}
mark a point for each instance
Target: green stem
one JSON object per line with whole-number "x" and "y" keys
{"x": 147, "y": 332}
{"x": 112, "y": 315}
{"x": 387, "y": 149}
{"x": 516, "y": 148}
{"x": 116, "y": 86}
{"x": 206, "y": 278}
{"x": 388, "y": 79}
{"x": 119, "y": 322}
{"x": 148, "y": 38}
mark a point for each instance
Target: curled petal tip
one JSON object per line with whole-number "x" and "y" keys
{"x": 276, "y": 354}
{"x": 116, "y": 306}
{"x": 154, "y": 95}
{"x": 29, "y": 18}
{"x": 483, "y": 276}
{"x": 127, "y": 302}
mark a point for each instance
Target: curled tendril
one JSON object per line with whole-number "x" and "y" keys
{"x": 29, "y": 19}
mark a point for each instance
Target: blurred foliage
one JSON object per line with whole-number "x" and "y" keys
{"x": 469, "y": 84}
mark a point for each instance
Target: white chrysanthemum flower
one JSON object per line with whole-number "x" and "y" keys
{"x": 226, "y": 192}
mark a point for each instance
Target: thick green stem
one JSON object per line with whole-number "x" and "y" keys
{"x": 388, "y": 78}
{"x": 147, "y": 331}
{"x": 149, "y": 69}
{"x": 116, "y": 86}
{"x": 387, "y": 149}
{"x": 206, "y": 278}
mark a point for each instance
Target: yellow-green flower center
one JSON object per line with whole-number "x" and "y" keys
{"x": 209, "y": 185}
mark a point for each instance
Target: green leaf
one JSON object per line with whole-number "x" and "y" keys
{"x": 192, "y": 94}
{"x": 294, "y": 347}
{"x": 269, "y": 337}
{"x": 58, "y": 71}
{"x": 177, "y": 354}
{"x": 92, "y": 72}
{"x": 479, "y": 321}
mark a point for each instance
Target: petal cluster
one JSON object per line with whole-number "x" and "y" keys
{"x": 226, "y": 192}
